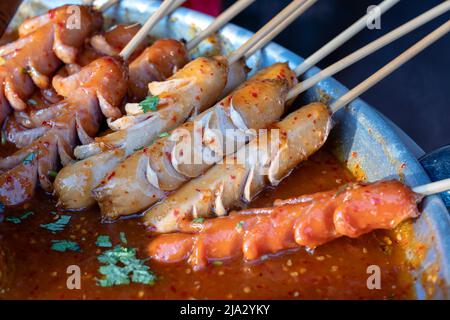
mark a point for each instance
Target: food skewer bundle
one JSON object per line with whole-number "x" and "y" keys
{"x": 134, "y": 172}
{"x": 189, "y": 143}
{"x": 142, "y": 179}
{"x": 242, "y": 177}
{"x": 188, "y": 92}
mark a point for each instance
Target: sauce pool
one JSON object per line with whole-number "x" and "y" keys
{"x": 337, "y": 270}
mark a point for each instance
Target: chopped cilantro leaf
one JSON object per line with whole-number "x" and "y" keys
{"x": 103, "y": 241}
{"x": 163, "y": 134}
{"x": 198, "y": 220}
{"x": 65, "y": 245}
{"x": 137, "y": 149}
{"x": 114, "y": 275}
{"x": 240, "y": 224}
{"x": 217, "y": 263}
{"x": 122, "y": 267}
{"x": 30, "y": 157}
{"x": 149, "y": 104}
{"x": 123, "y": 238}
{"x": 58, "y": 225}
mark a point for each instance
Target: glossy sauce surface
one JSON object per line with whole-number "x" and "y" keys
{"x": 336, "y": 270}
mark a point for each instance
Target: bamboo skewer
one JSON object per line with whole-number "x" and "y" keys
{"x": 266, "y": 29}
{"x": 391, "y": 67}
{"x": 148, "y": 25}
{"x": 280, "y": 27}
{"x": 370, "y": 48}
{"x": 342, "y": 38}
{"x": 219, "y": 22}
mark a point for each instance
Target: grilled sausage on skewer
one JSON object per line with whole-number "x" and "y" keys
{"x": 32, "y": 59}
{"x": 243, "y": 175}
{"x": 309, "y": 220}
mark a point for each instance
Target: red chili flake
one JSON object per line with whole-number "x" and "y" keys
{"x": 254, "y": 94}
{"x": 233, "y": 177}
{"x": 354, "y": 154}
{"x": 176, "y": 212}
{"x": 168, "y": 155}
{"x": 181, "y": 152}
{"x": 309, "y": 115}
{"x": 403, "y": 166}
{"x": 174, "y": 118}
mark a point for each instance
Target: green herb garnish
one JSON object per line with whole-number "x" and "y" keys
{"x": 163, "y": 134}
{"x": 58, "y": 225}
{"x": 65, "y": 245}
{"x": 198, "y": 220}
{"x": 149, "y": 104}
{"x": 52, "y": 174}
{"x": 30, "y": 157}
{"x": 123, "y": 238}
{"x": 103, "y": 241}
{"x": 137, "y": 149}
{"x": 14, "y": 220}
{"x": 122, "y": 267}
{"x": 217, "y": 263}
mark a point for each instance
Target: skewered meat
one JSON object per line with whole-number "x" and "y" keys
{"x": 194, "y": 87}
{"x": 265, "y": 160}
{"x": 142, "y": 179}
{"x": 45, "y": 42}
{"x": 98, "y": 88}
{"x": 309, "y": 220}
{"x": 156, "y": 63}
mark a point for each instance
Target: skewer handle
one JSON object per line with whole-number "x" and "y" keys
{"x": 280, "y": 27}
{"x": 433, "y": 188}
{"x": 370, "y": 48}
{"x": 391, "y": 67}
{"x": 163, "y": 10}
{"x": 285, "y": 13}
{"x": 219, "y": 22}
{"x": 342, "y": 38}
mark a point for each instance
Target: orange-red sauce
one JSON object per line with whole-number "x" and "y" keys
{"x": 336, "y": 270}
